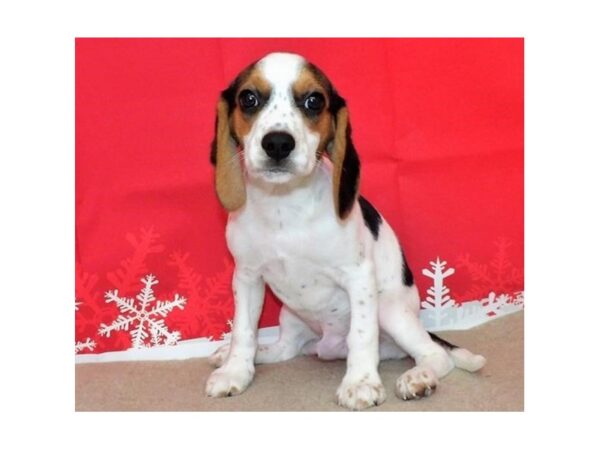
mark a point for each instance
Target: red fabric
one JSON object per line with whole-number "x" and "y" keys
{"x": 438, "y": 124}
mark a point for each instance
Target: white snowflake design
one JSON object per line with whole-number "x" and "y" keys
{"x": 441, "y": 312}
{"x": 438, "y": 304}
{"x": 89, "y": 344}
{"x": 141, "y": 316}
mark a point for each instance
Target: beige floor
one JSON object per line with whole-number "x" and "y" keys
{"x": 307, "y": 384}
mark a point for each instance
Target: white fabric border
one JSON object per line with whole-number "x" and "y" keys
{"x": 191, "y": 348}
{"x": 203, "y": 347}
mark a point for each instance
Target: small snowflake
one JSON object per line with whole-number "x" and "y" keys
{"x": 497, "y": 305}
{"x": 87, "y": 345}
{"x": 141, "y": 316}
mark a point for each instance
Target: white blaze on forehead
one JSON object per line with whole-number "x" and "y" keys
{"x": 281, "y": 69}
{"x": 280, "y": 113}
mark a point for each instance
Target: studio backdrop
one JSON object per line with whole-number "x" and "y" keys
{"x": 438, "y": 125}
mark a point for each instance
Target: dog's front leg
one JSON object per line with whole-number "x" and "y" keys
{"x": 361, "y": 387}
{"x": 236, "y": 373}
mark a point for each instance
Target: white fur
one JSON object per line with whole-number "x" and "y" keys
{"x": 341, "y": 288}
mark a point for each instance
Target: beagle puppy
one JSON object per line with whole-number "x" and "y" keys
{"x": 288, "y": 173}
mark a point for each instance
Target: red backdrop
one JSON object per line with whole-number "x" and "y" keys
{"x": 438, "y": 124}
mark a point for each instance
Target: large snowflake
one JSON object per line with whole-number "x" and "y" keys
{"x": 144, "y": 318}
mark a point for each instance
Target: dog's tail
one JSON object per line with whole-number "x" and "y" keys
{"x": 463, "y": 358}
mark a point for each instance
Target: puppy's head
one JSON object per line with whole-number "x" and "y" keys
{"x": 275, "y": 121}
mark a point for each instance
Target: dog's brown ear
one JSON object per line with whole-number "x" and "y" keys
{"x": 229, "y": 179}
{"x": 346, "y": 165}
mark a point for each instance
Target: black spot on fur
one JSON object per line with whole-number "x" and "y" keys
{"x": 442, "y": 342}
{"x": 370, "y": 215}
{"x": 229, "y": 94}
{"x": 350, "y": 176}
{"x": 407, "y": 277}
{"x": 213, "y": 145}
{"x": 336, "y": 102}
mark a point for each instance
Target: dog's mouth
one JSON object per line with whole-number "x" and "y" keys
{"x": 276, "y": 170}
{"x": 276, "y": 174}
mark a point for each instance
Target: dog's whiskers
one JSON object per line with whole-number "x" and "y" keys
{"x": 234, "y": 158}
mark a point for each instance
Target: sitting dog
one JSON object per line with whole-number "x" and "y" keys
{"x": 282, "y": 146}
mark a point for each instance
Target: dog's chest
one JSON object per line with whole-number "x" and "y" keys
{"x": 311, "y": 293}
{"x": 298, "y": 260}
{"x": 297, "y": 282}
{"x": 298, "y": 270}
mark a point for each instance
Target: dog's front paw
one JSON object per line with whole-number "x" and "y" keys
{"x": 227, "y": 382}
{"x": 416, "y": 383}
{"x": 219, "y": 356}
{"x": 357, "y": 395}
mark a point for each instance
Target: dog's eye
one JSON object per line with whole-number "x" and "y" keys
{"x": 248, "y": 100}
{"x": 314, "y": 103}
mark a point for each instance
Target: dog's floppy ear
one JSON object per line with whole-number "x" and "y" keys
{"x": 346, "y": 165}
{"x": 229, "y": 180}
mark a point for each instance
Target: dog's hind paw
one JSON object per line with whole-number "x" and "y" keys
{"x": 416, "y": 383}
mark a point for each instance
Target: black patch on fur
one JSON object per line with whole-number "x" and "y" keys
{"x": 229, "y": 95}
{"x": 350, "y": 177}
{"x": 336, "y": 102}
{"x": 213, "y": 144}
{"x": 407, "y": 276}
{"x": 370, "y": 215}
{"x": 442, "y": 342}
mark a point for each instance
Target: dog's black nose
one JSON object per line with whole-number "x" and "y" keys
{"x": 278, "y": 145}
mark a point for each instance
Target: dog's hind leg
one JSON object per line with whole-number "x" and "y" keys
{"x": 397, "y": 317}
{"x": 388, "y": 349}
{"x": 463, "y": 358}
{"x": 293, "y": 336}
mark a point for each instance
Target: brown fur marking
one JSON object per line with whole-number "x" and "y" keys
{"x": 242, "y": 123}
{"x": 229, "y": 180}
{"x": 233, "y": 126}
